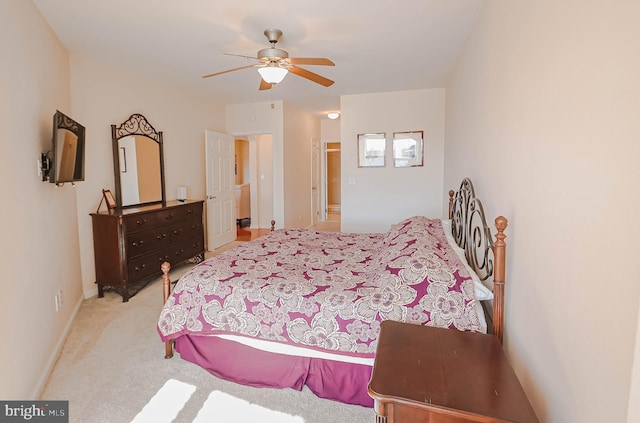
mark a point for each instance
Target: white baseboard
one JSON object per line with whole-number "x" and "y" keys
{"x": 55, "y": 353}
{"x": 92, "y": 292}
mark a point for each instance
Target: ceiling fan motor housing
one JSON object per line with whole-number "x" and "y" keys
{"x": 272, "y": 55}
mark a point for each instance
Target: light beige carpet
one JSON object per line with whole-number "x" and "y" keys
{"x": 112, "y": 365}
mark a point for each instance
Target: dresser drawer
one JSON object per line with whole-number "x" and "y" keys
{"x": 143, "y": 242}
{"x": 180, "y": 213}
{"x": 145, "y": 266}
{"x": 140, "y": 222}
{"x": 185, "y": 250}
{"x": 145, "y": 221}
{"x": 186, "y": 230}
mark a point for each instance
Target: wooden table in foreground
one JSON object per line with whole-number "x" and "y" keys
{"x": 423, "y": 374}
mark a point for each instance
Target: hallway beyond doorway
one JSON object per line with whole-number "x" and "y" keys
{"x": 332, "y": 224}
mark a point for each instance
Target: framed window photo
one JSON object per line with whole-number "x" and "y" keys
{"x": 408, "y": 149}
{"x": 372, "y": 149}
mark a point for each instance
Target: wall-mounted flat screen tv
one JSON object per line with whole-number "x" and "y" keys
{"x": 67, "y": 163}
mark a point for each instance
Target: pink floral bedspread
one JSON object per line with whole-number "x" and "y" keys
{"x": 324, "y": 290}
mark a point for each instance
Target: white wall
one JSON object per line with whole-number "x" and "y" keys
{"x": 40, "y": 249}
{"x": 542, "y": 114}
{"x": 101, "y": 97}
{"x": 263, "y": 179}
{"x": 299, "y": 129}
{"x": 634, "y": 394}
{"x": 381, "y": 197}
{"x": 330, "y": 130}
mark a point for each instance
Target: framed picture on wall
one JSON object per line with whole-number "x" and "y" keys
{"x": 408, "y": 149}
{"x": 372, "y": 149}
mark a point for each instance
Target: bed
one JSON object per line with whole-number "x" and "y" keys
{"x": 299, "y": 307}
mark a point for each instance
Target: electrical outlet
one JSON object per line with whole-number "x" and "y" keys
{"x": 39, "y": 168}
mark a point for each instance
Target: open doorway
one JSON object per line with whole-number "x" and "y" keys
{"x": 253, "y": 185}
{"x": 242, "y": 183}
{"x": 332, "y": 189}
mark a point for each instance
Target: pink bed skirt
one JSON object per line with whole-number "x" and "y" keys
{"x": 335, "y": 380}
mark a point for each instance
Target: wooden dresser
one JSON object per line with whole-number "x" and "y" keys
{"x": 130, "y": 244}
{"x": 424, "y": 374}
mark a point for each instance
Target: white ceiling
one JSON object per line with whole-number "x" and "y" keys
{"x": 377, "y": 45}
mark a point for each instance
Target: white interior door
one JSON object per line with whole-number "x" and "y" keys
{"x": 221, "y": 200}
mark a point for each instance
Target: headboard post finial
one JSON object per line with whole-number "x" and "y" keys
{"x": 452, "y": 194}
{"x": 499, "y": 277}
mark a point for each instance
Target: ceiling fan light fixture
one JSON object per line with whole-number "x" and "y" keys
{"x": 333, "y": 115}
{"x": 272, "y": 73}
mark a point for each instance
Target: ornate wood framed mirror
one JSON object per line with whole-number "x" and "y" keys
{"x": 138, "y": 163}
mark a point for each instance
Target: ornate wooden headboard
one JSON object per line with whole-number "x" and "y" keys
{"x": 485, "y": 256}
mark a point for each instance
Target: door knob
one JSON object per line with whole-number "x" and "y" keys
{"x": 211, "y": 197}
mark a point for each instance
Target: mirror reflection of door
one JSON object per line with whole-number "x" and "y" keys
{"x": 139, "y": 170}
{"x": 334, "y": 196}
{"x": 128, "y": 172}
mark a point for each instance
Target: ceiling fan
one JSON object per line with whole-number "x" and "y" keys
{"x": 274, "y": 64}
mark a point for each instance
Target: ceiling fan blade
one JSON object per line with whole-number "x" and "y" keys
{"x": 241, "y": 55}
{"x": 311, "y": 76}
{"x": 265, "y": 85}
{"x": 229, "y": 70}
{"x": 310, "y": 61}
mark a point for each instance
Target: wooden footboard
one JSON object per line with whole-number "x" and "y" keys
{"x": 166, "y": 291}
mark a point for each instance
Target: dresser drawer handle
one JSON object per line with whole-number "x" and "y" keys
{"x": 139, "y": 268}
{"x": 136, "y": 244}
{"x": 141, "y": 222}
{"x": 169, "y": 216}
{"x": 190, "y": 211}
{"x": 179, "y": 252}
{"x": 177, "y": 231}
{"x": 161, "y": 236}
